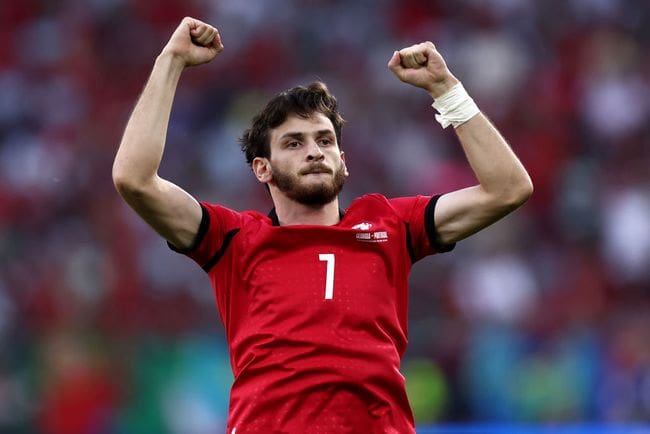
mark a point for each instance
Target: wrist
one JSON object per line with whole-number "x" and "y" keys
{"x": 455, "y": 106}
{"x": 170, "y": 60}
{"x": 439, "y": 88}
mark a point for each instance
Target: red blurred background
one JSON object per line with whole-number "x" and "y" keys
{"x": 543, "y": 317}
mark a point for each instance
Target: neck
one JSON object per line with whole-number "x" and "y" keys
{"x": 290, "y": 212}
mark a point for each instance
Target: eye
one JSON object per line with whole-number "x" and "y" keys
{"x": 325, "y": 141}
{"x": 293, "y": 144}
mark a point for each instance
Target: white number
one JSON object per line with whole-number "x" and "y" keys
{"x": 329, "y": 277}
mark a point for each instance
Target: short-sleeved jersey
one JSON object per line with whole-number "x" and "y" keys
{"x": 316, "y": 316}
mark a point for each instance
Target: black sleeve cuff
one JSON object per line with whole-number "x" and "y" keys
{"x": 430, "y": 226}
{"x": 200, "y": 234}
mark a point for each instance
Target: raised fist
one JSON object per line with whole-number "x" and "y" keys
{"x": 194, "y": 42}
{"x": 422, "y": 65}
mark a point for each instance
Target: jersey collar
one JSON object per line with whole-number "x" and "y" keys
{"x": 274, "y": 216}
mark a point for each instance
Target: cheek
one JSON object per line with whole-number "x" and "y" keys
{"x": 334, "y": 156}
{"x": 339, "y": 162}
{"x": 284, "y": 168}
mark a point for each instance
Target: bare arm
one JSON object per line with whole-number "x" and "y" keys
{"x": 504, "y": 184}
{"x": 171, "y": 211}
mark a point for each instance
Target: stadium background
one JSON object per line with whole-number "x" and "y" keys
{"x": 542, "y": 318}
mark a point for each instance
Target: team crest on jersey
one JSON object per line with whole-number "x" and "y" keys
{"x": 369, "y": 237}
{"x": 372, "y": 237}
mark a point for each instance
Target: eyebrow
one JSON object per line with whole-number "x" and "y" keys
{"x": 298, "y": 135}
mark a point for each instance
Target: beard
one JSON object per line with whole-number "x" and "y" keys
{"x": 313, "y": 194}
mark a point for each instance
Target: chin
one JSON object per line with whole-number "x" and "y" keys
{"x": 316, "y": 183}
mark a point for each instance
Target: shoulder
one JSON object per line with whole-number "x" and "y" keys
{"x": 369, "y": 200}
{"x": 374, "y": 207}
{"x": 402, "y": 206}
{"x": 237, "y": 218}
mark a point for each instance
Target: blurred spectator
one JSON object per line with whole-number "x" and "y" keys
{"x": 543, "y": 317}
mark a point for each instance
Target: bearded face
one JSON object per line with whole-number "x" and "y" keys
{"x": 305, "y": 164}
{"x": 314, "y": 185}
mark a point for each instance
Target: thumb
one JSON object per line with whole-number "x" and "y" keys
{"x": 395, "y": 62}
{"x": 195, "y": 29}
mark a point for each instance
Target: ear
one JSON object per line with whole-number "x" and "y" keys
{"x": 344, "y": 165}
{"x": 262, "y": 169}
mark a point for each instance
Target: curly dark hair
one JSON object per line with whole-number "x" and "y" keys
{"x": 302, "y": 101}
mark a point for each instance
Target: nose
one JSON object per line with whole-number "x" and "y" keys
{"x": 314, "y": 152}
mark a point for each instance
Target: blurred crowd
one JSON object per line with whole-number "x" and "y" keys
{"x": 543, "y": 317}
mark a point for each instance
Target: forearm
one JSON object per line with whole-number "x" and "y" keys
{"x": 498, "y": 170}
{"x": 143, "y": 142}
{"x": 504, "y": 184}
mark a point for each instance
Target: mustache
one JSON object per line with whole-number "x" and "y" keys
{"x": 316, "y": 168}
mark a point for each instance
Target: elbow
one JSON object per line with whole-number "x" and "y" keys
{"x": 519, "y": 193}
{"x": 126, "y": 184}
{"x": 124, "y": 187}
{"x": 527, "y": 189}
{"x": 121, "y": 180}
{"x": 511, "y": 196}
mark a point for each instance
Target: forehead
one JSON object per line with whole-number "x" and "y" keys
{"x": 296, "y": 124}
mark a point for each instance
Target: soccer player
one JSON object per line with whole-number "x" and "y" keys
{"x": 313, "y": 298}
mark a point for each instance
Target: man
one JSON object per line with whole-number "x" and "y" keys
{"x": 313, "y": 299}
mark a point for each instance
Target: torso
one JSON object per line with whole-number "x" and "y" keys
{"x": 300, "y": 336}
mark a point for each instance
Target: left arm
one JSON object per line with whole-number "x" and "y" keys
{"x": 504, "y": 184}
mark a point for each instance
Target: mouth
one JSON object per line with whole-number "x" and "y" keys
{"x": 316, "y": 170}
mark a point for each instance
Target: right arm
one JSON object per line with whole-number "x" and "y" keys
{"x": 170, "y": 210}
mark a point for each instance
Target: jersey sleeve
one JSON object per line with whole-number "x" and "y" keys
{"x": 217, "y": 228}
{"x": 418, "y": 214}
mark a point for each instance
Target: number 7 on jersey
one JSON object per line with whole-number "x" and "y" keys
{"x": 329, "y": 275}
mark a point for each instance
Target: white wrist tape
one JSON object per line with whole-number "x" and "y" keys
{"x": 455, "y": 107}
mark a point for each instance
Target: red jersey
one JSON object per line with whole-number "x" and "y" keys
{"x": 316, "y": 316}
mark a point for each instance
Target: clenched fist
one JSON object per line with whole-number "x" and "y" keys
{"x": 422, "y": 65}
{"x": 193, "y": 42}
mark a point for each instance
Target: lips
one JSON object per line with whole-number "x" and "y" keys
{"x": 315, "y": 169}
